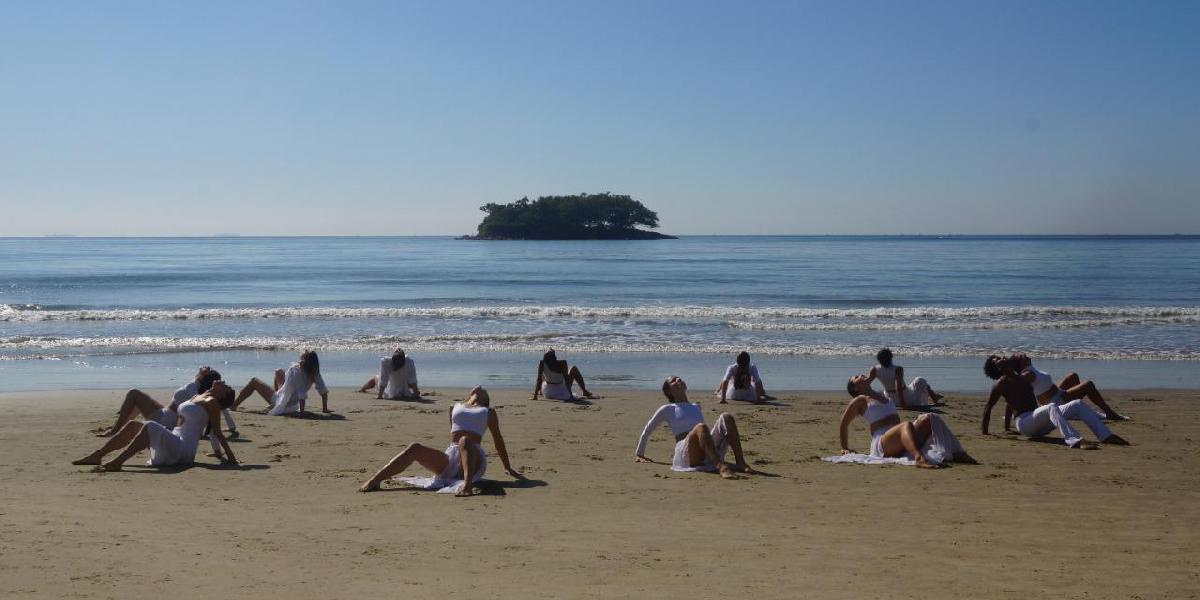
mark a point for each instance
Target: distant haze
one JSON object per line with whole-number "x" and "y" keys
{"x": 402, "y": 118}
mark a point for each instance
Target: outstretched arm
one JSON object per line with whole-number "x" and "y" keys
{"x": 987, "y": 409}
{"x": 853, "y": 409}
{"x": 898, "y": 387}
{"x": 494, "y": 427}
{"x": 659, "y": 417}
{"x": 537, "y": 382}
{"x": 215, "y": 436}
{"x": 385, "y": 374}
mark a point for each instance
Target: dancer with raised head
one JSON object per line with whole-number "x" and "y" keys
{"x": 290, "y": 392}
{"x": 926, "y": 439}
{"x": 397, "y": 378}
{"x": 169, "y": 447}
{"x": 139, "y": 402}
{"x": 555, "y": 378}
{"x": 742, "y": 382}
{"x": 1036, "y": 421}
{"x": 697, "y": 446}
{"x": 465, "y": 459}
{"x": 891, "y": 377}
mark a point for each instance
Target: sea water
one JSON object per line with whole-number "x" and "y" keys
{"x": 812, "y": 310}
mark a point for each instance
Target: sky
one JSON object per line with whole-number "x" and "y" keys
{"x": 403, "y": 118}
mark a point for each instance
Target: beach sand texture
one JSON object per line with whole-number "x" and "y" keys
{"x": 1034, "y": 520}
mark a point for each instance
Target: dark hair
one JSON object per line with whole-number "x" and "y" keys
{"x": 741, "y": 375}
{"x": 205, "y": 381}
{"x": 884, "y": 357}
{"x": 990, "y": 368}
{"x": 397, "y": 359}
{"x": 310, "y": 364}
{"x": 550, "y": 359}
{"x": 666, "y": 388}
{"x": 226, "y": 399}
{"x": 851, "y": 389}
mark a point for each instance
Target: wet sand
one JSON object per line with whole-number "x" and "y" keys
{"x": 1036, "y": 519}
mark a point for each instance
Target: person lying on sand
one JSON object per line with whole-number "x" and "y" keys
{"x": 397, "y": 378}
{"x": 926, "y": 439}
{"x": 1070, "y": 388}
{"x": 290, "y": 391}
{"x": 465, "y": 458}
{"x": 697, "y": 447}
{"x": 171, "y": 446}
{"x": 153, "y": 410}
{"x": 1036, "y": 421}
{"x": 555, "y": 379}
{"x": 742, "y": 382}
{"x": 891, "y": 376}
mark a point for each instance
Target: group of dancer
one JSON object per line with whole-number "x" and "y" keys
{"x": 1034, "y": 403}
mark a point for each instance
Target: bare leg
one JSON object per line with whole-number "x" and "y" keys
{"x": 1088, "y": 389}
{"x": 254, "y": 385}
{"x": 734, "y": 437}
{"x": 280, "y": 376}
{"x": 700, "y": 447}
{"x": 470, "y": 464}
{"x": 431, "y": 459}
{"x": 369, "y": 385}
{"x": 120, "y": 440}
{"x": 577, "y": 377}
{"x": 761, "y": 391}
{"x": 1070, "y": 381}
{"x": 134, "y": 400}
{"x": 904, "y": 439}
{"x": 140, "y": 442}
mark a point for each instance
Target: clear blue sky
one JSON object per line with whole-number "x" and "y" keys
{"x": 171, "y": 118}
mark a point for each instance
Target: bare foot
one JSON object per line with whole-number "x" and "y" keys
{"x": 370, "y": 486}
{"x": 1116, "y": 440}
{"x": 726, "y": 472}
{"x": 1086, "y": 445}
{"x": 105, "y": 432}
{"x": 936, "y": 397}
{"x": 109, "y": 467}
{"x": 587, "y": 394}
{"x": 90, "y": 459}
{"x": 923, "y": 463}
{"x": 466, "y": 490}
{"x": 747, "y": 469}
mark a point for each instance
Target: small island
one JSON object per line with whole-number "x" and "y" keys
{"x": 604, "y": 216}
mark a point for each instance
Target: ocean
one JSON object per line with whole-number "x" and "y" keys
{"x": 85, "y": 313}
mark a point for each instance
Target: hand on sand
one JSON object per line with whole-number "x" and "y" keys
{"x": 924, "y": 463}
{"x": 466, "y": 490}
{"x": 641, "y": 459}
{"x": 847, "y": 451}
{"x": 515, "y": 474}
{"x": 726, "y": 472}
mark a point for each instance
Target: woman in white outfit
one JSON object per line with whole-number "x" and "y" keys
{"x": 171, "y": 446}
{"x": 397, "y": 378}
{"x": 465, "y": 458}
{"x": 891, "y": 376}
{"x": 742, "y": 382}
{"x": 697, "y": 446}
{"x": 1070, "y": 388}
{"x": 926, "y": 439}
{"x": 555, "y": 378}
{"x": 153, "y": 410}
{"x": 290, "y": 392}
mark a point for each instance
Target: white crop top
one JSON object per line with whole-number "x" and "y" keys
{"x": 878, "y": 410}
{"x": 194, "y": 418}
{"x": 680, "y": 416}
{"x": 1041, "y": 380}
{"x": 469, "y": 418}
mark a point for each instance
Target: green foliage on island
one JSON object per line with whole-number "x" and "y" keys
{"x": 604, "y": 216}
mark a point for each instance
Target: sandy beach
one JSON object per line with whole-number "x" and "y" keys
{"x": 1033, "y": 520}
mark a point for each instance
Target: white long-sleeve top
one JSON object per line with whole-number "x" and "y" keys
{"x": 288, "y": 397}
{"x": 397, "y": 383}
{"x": 680, "y": 416}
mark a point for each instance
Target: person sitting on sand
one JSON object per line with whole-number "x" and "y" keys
{"x": 290, "y": 392}
{"x": 926, "y": 439}
{"x": 465, "y": 458}
{"x": 1036, "y": 421}
{"x": 176, "y": 446}
{"x": 697, "y": 447}
{"x": 153, "y": 410}
{"x": 397, "y": 378}
{"x": 742, "y": 382}
{"x": 891, "y": 376}
{"x": 1070, "y": 388}
{"x": 554, "y": 379}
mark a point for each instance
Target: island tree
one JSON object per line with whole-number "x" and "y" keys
{"x": 578, "y": 217}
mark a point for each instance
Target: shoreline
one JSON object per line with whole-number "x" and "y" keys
{"x": 1029, "y": 521}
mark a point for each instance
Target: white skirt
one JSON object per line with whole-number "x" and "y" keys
{"x": 743, "y": 394}
{"x": 166, "y": 417}
{"x": 941, "y": 446}
{"x": 557, "y": 391}
{"x": 680, "y": 460}
{"x": 454, "y": 471}
{"x": 166, "y": 448}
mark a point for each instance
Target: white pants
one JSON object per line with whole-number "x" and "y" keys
{"x": 1048, "y": 417}
{"x": 916, "y": 393}
{"x": 719, "y": 431}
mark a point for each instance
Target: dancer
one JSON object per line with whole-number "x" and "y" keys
{"x": 291, "y": 388}
{"x": 171, "y": 446}
{"x": 697, "y": 447}
{"x": 891, "y": 376}
{"x": 465, "y": 458}
{"x": 153, "y": 410}
{"x": 1036, "y": 421}
{"x": 1070, "y": 388}
{"x": 554, "y": 379}
{"x": 926, "y": 439}
{"x": 397, "y": 378}
{"x": 742, "y": 382}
